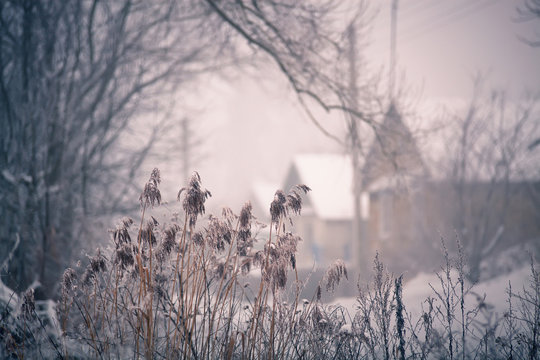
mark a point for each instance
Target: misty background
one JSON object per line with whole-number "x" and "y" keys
{"x": 252, "y": 124}
{"x": 205, "y": 93}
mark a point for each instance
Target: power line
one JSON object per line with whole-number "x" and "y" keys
{"x": 443, "y": 14}
{"x": 419, "y": 6}
{"x": 427, "y": 5}
{"x": 393, "y": 29}
{"x": 456, "y": 13}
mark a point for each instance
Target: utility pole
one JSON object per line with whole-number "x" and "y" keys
{"x": 359, "y": 242}
{"x": 392, "y": 68}
{"x": 186, "y": 153}
{"x": 190, "y": 148}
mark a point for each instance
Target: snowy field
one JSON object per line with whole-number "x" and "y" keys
{"x": 418, "y": 289}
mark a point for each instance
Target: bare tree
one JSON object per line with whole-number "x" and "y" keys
{"x": 74, "y": 74}
{"x": 530, "y": 10}
{"x": 306, "y": 40}
{"x": 492, "y": 173}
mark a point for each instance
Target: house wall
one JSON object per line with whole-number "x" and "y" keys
{"x": 392, "y": 210}
{"x": 434, "y": 210}
{"x": 483, "y": 207}
{"x": 323, "y": 241}
{"x": 304, "y": 227}
{"x": 523, "y": 216}
{"x": 335, "y": 240}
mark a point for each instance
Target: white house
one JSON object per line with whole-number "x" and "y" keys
{"x": 326, "y": 221}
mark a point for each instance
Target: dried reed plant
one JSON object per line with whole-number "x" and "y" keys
{"x": 198, "y": 289}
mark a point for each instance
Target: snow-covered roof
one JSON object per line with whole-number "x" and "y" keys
{"x": 8, "y": 296}
{"x": 330, "y": 178}
{"x": 262, "y": 194}
{"x": 393, "y": 153}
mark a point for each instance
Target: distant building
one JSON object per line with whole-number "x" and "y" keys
{"x": 404, "y": 211}
{"x": 325, "y": 224}
{"x": 261, "y": 195}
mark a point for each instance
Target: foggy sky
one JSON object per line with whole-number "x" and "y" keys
{"x": 253, "y": 126}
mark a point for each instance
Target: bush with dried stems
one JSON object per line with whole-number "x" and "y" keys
{"x": 200, "y": 289}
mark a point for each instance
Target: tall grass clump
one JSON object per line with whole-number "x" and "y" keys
{"x": 455, "y": 322}
{"x": 23, "y": 334}
{"x": 199, "y": 288}
{"x": 181, "y": 290}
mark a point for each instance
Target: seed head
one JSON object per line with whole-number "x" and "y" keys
{"x": 194, "y": 199}
{"x": 151, "y": 194}
{"x": 246, "y": 266}
{"x": 124, "y": 256}
{"x": 258, "y": 258}
{"x": 277, "y": 207}
{"x": 220, "y": 270}
{"x": 244, "y": 241}
{"x": 294, "y": 202}
{"x": 280, "y": 277}
{"x": 168, "y": 240}
{"x": 121, "y": 234}
{"x": 245, "y": 216}
{"x": 301, "y": 187}
{"x": 198, "y": 238}
{"x": 28, "y": 306}
{"x": 275, "y": 274}
{"x": 147, "y": 234}
{"x": 68, "y": 280}
{"x": 334, "y": 274}
{"x": 294, "y": 199}
{"x": 160, "y": 282}
{"x": 218, "y": 233}
{"x": 228, "y": 215}
{"x": 127, "y": 221}
{"x": 96, "y": 265}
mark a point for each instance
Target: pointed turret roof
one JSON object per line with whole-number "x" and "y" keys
{"x": 393, "y": 153}
{"x": 330, "y": 178}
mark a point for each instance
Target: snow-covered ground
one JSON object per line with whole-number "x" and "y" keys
{"x": 7, "y": 296}
{"x": 416, "y": 291}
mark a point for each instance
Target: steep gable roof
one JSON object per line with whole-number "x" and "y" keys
{"x": 262, "y": 194}
{"x": 330, "y": 178}
{"x": 393, "y": 152}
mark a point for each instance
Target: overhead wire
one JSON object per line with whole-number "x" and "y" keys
{"x": 415, "y": 7}
{"x": 456, "y": 13}
{"x": 419, "y": 6}
{"x": 444, "y": 16}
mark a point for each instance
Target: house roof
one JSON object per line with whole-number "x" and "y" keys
{"x": 393, "y": 153}
{"x": 262, "y": 194}
{"x": 330, "y": 178}
{"x": 7, "y": 296}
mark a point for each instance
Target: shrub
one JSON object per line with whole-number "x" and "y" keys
{"x": 199, "y": 289}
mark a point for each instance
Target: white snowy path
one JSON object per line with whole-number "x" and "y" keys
{"x": 416, "y": 291}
